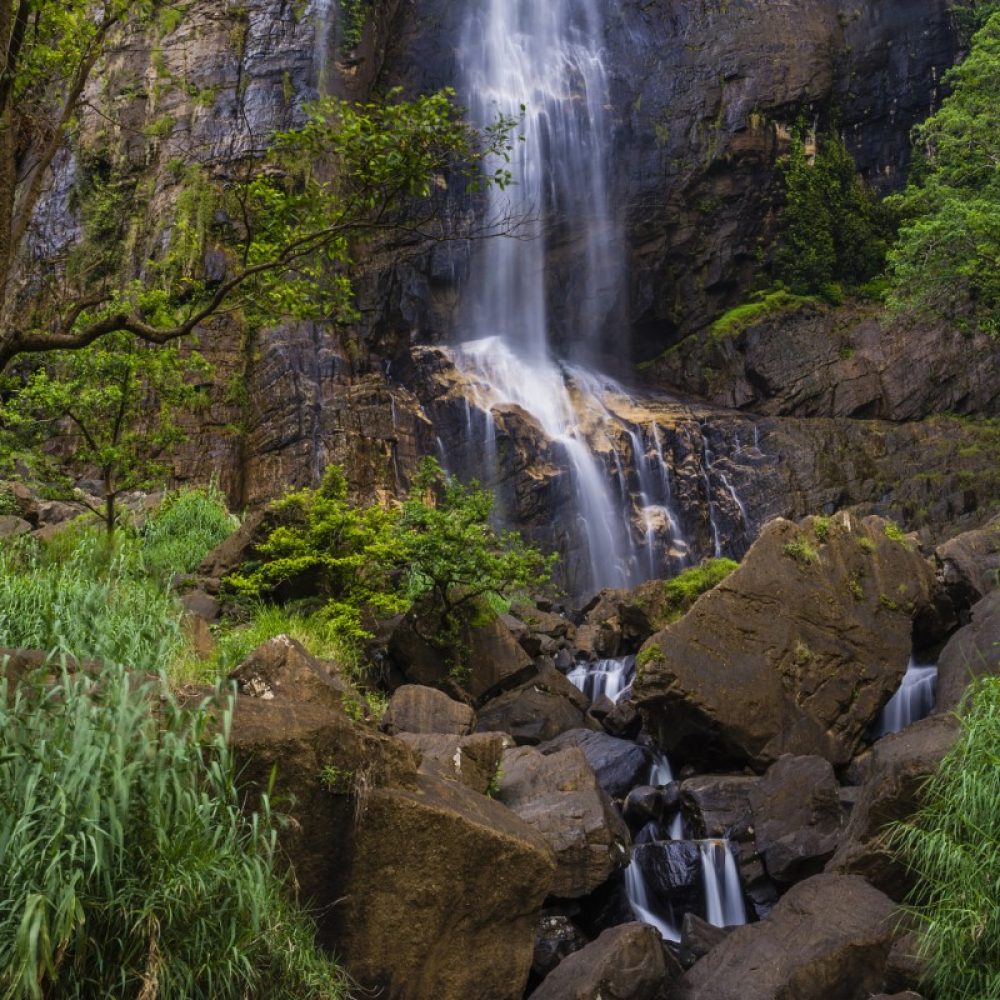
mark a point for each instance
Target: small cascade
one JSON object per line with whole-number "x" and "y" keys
{"x": 640, "y": 899}
{"x": 915, "y": 700}
{"x": 660, "y": 771}
{"x": 724, "y": 905}
{"x": 605, "y": 678}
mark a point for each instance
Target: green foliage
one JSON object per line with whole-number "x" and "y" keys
{"x": 120, "y": 403}
{"x": 971, "y": 15}
{"x": 353, "y": 16}
{"x": 88, "y": 596}
{"x": 894, "y": 532}
{"x": 951, "y": 847}
{"x": 802, "y": 552}
{"x": 184, "y": 528}
{"x": 833, "y": 230}
{"x": 437, "y": 553}
{"x": 648, "y": 656}
{"x": 821, "y": 528}
{"x": 685, "y": 588}
{"x": 763, "y": 306}
{"x": 945, "y": 261}
{"x": 127, "y": 867}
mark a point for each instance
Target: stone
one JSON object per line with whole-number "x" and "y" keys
{"x": 644, "y": 804}
{"x": 495, "y": 660}
{"x": 971, "y": 652}
{"x": 718, "y": 805}
{"x": 673, "y": 870}
{"x": 623, "y": 721}
{"x": 559, "y": 796}
{"x": 201, "y": 604}
{"x": 901, "y": 764}
{"x": 283, "y": 668}
{"x": 618, "y": 764}
{"x": 969, "y": 564}
{"x": 21, "y": 501}
{"x": 904, "y": 968}
{"x": 556, "y": 938}
{"x": 698, "y": 938}
{"x": 415, "y": 708}
{"x": 199, "y": 635}
{"x": 473, "y": 760}
{"x": 537, "y": 711}
{"x": 625, "y": 963}
{"x": 52, "y": 512}
{"x": 826, "y": 939}
{"x": 795, "y": 652}
{"x": 797, "y": 817}
{"x": 11, "y": 526}
{"x": 230, "y": 554}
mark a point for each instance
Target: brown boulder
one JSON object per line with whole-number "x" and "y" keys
{"x": 901, "y": 764}
{"x": 618, "y": 764}
{"x": 827, "y": 939}
{"x": 795, "y": 652}
{"x": 537, "y": 711}
{"x": 797, "y": 817}
{"x": 442, "y": 895}
{"x": 415, "y": 708}
{"x": 11, "y": 526}
{"x": 472, "y": 760}
{"x": 969, "y": 563}
{"x": 625, "y": 963}
{"x": 283, "y": 668}
{"x": 558, "y": 795}
{"x": 229, "y": 555}
{"x": 971, "y": 652}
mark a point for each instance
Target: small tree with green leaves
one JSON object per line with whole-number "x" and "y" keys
{"x": 117, "y": 405}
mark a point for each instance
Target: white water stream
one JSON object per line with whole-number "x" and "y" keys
{"x": 915, "y": 700}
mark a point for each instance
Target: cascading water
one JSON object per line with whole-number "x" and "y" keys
{"x": 605, "y": 678}
{"x": 724, "y": 905}
{"x": 915, "y": 700}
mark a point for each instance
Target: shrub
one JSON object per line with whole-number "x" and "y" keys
{"x": 802, "y": 552}
{"x": 951, "y": 847}
{"x": 127, "y": 868}
{"x": 764, "y": 306}
{"x": 185, "y": 527}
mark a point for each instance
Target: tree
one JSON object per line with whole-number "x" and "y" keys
{"x": 120, "y": 402}
{"x": 283, "y": 214}
{"x": 833, "y": 230}
{"x": 947, "y": 258}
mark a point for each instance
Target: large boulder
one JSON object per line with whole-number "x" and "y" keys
{"x": 971, "y": 652}
{"x": 493, "y": 660}
{"x": 969, "y": 563}
{"x": 627, "y": 962}
{"x": 797, "y": 817}
{"x": 618, "y": 764}
{"x": 283, "y": 668}
{"x": 538, "y": 711}
{"x": 900, "y": 766}
{"x": 795, "y": 652}
{"x": 718, "y": 805}
{"x": 473, "y": 760}
{"x": 382, "y": 853}
{"x": 415, "y": 708}
{"x": 827, "y": 939}
{"x": 559, "y": 796}
{"x": 673, "y": 870}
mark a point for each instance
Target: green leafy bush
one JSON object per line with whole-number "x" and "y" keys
{"x": 185, "y": 527}
{"x": 951, "y": 847}
{"x": 127, "y": 868}
{"x": 684, "y": 589}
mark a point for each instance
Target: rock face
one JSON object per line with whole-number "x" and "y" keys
{"x": 969, "y": 563}
{"x": 472, "y": 760}
{"x": 901, "y": 764}
{"x": 797, "y": 817}
{"x": 625, "y": 963}
{"x": 795, "y": 652}
{"x": 827, "y": 939}
{"x": 618, "y": 764}
{"x": 560, "y": 798}
{"x": 418, "y": 709}
{"x": 971, "y": 652}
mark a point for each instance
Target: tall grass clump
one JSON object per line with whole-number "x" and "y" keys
{"x": 185, "y": 527}
{"x": 127, "y": 868}
{"x": 952, "y": 847}
{"x": 88, "y": 597}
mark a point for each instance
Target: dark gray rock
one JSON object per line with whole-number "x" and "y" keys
{"x": 556, "y": 938}
{"x": 673, "y": 870}
{"x": 698, "y": 938}
{"x": 618, "y": 764}
{"x": 971, "y": 652}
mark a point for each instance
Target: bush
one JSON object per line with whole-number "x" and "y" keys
{"x": 765, "y": 306}
{"x": 951, "y": 847}
{"x": 685, "y": 588}
{"x": 185, "y": 527}
{"x": 127, "y": 869}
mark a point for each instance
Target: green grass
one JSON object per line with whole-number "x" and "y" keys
{"x": 82, "y": 595}
{"x": 952, "y": 847}
{"x": 767, "y": 305}
{"x": 685, "y": 588}
{"x": 127, "y": 868}
{"x": 802, "y": 552}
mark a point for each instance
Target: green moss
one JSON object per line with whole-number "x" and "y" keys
{"x": 895, "y": 533}
{"x": 821, "y": 528}
{"x": 683, "y": 590}
{"x": 802, "y": 552}
{"x": 856, "y": 588}
{"x": 866, "y": 544}
{"x": 803, "y": 655}
{"x": 887, "y": 602}
{"x": 767, "y": 305}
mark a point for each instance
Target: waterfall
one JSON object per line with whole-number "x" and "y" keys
{"x": 723, "y": 892}
{"x": 640, "y": 900}
{"x": 915, "y": 700}
{"x": 610, "y": 678}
